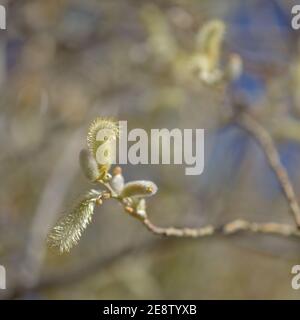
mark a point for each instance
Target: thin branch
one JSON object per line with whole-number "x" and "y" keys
{"x": 229, "y": 228}
{"x": 264, "y": 139}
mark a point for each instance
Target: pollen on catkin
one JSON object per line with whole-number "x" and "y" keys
{"x": 69, "y": 228}
{"x": 101, "y": 141}
{"x": 109, "y": 127}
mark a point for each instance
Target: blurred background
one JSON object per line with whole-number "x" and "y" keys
{"x": 64, "y": 62}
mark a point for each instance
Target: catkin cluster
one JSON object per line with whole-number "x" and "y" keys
{"x": 96, "y": 162}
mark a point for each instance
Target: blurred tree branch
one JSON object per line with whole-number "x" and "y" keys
{"x": 265, "y": 140}
{"x": 87, "y": 269}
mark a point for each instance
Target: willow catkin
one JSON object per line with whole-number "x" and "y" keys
{"x": 160, "y": 38}
{"x": 89, "y": 165}
{"x": 117, "y": 182}
{"x": 101, "y": 141}
{"x": 234, "y": 67}
{"x": 210, "y": 38}
{"x": 69, "y": 228}
{"x": 140, "y": 188}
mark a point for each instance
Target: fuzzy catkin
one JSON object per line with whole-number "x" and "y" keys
{"x": 101, "y": 138}
{"x": 89, "y": 165}
{"x": 69, "y": 228}
{"x": 140, "y": 188}
{"x": 210, "y": 39}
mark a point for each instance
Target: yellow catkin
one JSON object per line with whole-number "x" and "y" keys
{"x": 102, "y": 133}
{"x": 69, "y": 228}
{"x": 210, "y": 39}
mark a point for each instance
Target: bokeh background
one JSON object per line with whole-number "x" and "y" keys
{"x": 64, "y": 62}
